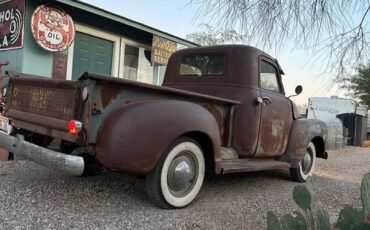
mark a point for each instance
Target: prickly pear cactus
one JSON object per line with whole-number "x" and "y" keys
{"x": 364, "y": 225}
{"x": 348, "y": 217}
{"x": 300, "y": 221}
{"x": 323, "y": 220}
{"x": 365, "y": 195}
{"x": 303, "y": 197}
{"x": 273, "y": 222}
{"x": 288, "y": 222}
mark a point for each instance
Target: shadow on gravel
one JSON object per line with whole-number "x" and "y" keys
{"x": 46, "y": 199}
{"x": 118, "y": 189}
{"x": 238, "y": 201}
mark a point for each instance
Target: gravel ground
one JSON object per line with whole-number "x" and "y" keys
{"x": 32, "y": 197}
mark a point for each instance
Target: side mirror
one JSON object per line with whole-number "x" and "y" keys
{"x": 298, "y": 90}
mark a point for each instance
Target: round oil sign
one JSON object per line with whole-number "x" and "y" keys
{"x": 52, "y": 28}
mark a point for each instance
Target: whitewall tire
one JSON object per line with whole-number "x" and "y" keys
{"x": 306, "y": 166}
{"x": 178, "y": 176}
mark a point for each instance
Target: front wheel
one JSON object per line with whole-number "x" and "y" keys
{"x": 178, "y": 176}
{"x": 306, "y": 166}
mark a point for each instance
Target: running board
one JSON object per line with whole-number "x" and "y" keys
{"x": 251, "y": 164}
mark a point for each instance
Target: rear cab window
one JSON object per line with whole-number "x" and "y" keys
{"x": 202, "y": 65}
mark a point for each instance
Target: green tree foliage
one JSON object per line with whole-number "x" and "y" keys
{"x": 358, "y": 85}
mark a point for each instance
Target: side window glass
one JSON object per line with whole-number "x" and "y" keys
{"x": 269, "y": 77}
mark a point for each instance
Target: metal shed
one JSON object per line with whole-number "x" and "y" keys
{"x": 352, "y": 115}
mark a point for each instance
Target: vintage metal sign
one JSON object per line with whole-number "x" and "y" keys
{"x": 162, "y": 50}
{"x": 60, "y": 66}
{"x": 11, "y": 24}
{"x": 52, "y": 28}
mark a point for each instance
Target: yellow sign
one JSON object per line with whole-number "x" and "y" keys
{"x": 162, "y": 50}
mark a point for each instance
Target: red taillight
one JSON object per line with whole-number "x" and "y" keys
{"x": 74, "y": 127}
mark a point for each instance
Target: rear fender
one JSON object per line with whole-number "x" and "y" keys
{"x": 134, "y": 136}
{"x": 303, "y": 132}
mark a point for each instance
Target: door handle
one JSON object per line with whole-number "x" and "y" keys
{"x": 264, "y": 100}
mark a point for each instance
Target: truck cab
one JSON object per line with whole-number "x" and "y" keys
{"x": 242, "y": 73}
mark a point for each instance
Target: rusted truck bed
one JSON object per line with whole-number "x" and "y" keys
{"x": 46, "y": 106}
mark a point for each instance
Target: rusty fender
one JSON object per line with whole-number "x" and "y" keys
{"x": 303, "y": 131}
{"x": 134, "y": 136}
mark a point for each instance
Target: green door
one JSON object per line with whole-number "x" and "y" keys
{"x": 91, "y": 54}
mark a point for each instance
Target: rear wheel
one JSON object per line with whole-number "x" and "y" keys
{"x": 178, "y": 176}
{"x": 306, "y": 166}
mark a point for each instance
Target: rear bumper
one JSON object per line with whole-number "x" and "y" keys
{"x": 51, "y": 159}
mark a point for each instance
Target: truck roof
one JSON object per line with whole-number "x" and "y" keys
{"x": 240, "y": 59}
{"x": 222, "y": 49}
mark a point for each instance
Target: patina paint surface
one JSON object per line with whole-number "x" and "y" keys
{"x": 41, "y": 105}
{"x": 260, "y": 130}
{"x": 130, "y": 124}
{"x": 303, "y": 132}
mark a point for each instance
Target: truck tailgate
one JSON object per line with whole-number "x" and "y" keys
{"x": 41, "y": 104}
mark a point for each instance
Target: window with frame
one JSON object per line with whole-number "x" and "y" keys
{"x": 269, "y": 77}
{"x": 131, "y": 62}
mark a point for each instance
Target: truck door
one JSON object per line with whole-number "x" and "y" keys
{"x": 276, "y": 113}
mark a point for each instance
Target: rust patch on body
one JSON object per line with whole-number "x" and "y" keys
{"x": 108, "y": 94}
{"x": 277, "y": 126}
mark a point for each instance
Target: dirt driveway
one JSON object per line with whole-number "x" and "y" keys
{"x": 32, "y": 197}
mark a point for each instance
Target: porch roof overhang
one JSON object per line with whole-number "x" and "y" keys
{"x": 126, "y": 21}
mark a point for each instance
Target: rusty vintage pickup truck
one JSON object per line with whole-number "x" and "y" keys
{"x": 221, "y": 110}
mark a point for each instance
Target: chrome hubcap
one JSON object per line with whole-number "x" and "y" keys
{"x": 182, "y": 174}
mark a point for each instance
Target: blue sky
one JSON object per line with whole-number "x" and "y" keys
{"x": 178, "y": 18}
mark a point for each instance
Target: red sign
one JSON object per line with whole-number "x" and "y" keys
{"x": 52, "y": 28}
{"x": 11, "y": 24}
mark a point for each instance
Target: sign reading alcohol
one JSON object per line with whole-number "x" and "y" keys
{"x": 52, "y": 28}
{"x": 162, "y": 50}
{"x": 11, "y": 24}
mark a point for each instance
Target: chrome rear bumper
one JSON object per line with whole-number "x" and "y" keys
{"x": 51, "y": 159}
